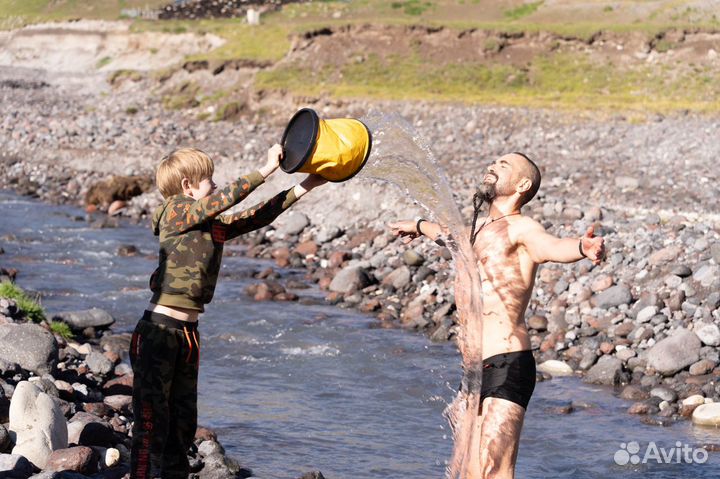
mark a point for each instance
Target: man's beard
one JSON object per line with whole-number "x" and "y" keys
{"x": 487, "y": 192}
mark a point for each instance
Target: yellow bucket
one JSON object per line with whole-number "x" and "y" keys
{"x": 334, "y": 149}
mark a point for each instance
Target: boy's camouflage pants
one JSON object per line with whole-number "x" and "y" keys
{"x": 164, "y": 354}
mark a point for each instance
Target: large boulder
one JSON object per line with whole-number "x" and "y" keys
{"x": 606, "y": 371}
{"x": 349, "y": 279}
{"x": 38, "y": 424}
{"x": 675, "y": 352}
{"x": 32, "y": 347}
{"x": 89, "y": 318}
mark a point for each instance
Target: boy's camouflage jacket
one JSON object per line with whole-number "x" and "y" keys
{"x": 192, "y": 234}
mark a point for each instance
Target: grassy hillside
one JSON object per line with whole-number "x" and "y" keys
{"x": 557, "y": 78}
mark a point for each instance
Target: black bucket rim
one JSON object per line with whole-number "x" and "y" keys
{"x": 310, "y": 147}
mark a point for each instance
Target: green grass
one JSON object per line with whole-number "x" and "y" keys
{"x": 102, "y": 62}
{"x": 61, "y": 329}
{"x": 16, "y": 13}
{"x": 28, "y": 305}
{"x": 412, "y": 7}
{"x": 522, "y": 10}
{"x": 564, "y": 81}
{"x": 263, "y": 43}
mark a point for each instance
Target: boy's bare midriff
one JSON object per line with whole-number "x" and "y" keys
{"x": 181, "y": 314}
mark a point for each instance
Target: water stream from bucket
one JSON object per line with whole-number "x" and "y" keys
{"x": 400, "y": 156}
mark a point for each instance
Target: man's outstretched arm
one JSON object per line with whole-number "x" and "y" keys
{"x": 408, "y": 230}
{"x": 544, "y": 247}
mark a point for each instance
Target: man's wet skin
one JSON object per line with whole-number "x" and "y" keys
{"x": 508, "y": 275}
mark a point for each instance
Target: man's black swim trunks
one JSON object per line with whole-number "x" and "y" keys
{"x": 509, "y": 376}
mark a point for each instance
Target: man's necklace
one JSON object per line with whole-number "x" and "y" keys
{"x": 492, "y": 220}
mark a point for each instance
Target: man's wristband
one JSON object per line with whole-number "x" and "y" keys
{"x": 582, "y": 253}
{"x": 417, "y": 226}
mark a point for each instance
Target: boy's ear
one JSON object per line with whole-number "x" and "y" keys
{"x": 185, "y": 183}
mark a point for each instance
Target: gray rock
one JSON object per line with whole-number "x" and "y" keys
{"x": 681, "y": 270}
{"x": 399, "y": 278}
{"x": 613, "y": 296}
{"x": 413, "y": 258}
{"x": 89, "y": 318}
{"x": 38, "y": 424}
{"x": 646, "y": 313}
{"x": 15, "y": 466}
{"x": 217, "y": 466}
{"x": 210, "y": 447}
{"x": 31, "y": 346}
{"x": 707, "y": 274}
{"x": 98, "y": 363}
{"x": 606, "y": 371}
{"x": 665, "y": 255}
{"x": 708, "y": 333}
{"x": 328, "y": 233}
{"x": 293, "y": 223}
{"x": 666, "y": 394}
{"x": 589, "y": 358}
{"x": 349, "y": 279}
{"x": 715, "y": 252}
{"x": 674, "y": 353}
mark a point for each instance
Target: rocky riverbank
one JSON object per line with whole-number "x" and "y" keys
{"x": 646, "y": 319}
{"x": 66, "y": 399}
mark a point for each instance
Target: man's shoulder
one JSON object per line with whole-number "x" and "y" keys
{"x": 523, "y": 226}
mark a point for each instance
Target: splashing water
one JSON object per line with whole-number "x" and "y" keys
{"x": 400, "y": 156}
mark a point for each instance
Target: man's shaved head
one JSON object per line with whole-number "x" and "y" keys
{"x": 526, "y": 168}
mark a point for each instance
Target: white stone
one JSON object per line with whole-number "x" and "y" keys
{"x": 112, "y": 457}
{"x": 709, "y": 334}
{"x": 38, "y": 424}
{"x": 694, "y": 400}
{"x": 554, "y": 367}
{"x": 646, "y": 313}
{"x": 707, "y": 415}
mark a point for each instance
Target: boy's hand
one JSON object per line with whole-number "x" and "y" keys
{"x": 275, "y": 154}
{"x": 313, "y": 181}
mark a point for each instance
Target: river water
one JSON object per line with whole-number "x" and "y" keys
{"x": 291, "y": 387}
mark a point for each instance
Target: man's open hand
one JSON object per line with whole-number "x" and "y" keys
{"x": 592, "y": 246}
{"x": 405, "y": 229}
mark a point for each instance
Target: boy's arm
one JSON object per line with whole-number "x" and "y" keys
{"x": 265, "y": 212}
{"x": 185, "y": 215}
{"x": 255, "y": 217}
{"x": 544, "y": 247}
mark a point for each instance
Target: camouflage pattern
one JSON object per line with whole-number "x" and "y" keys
{"x": 165, "y": 365}
{"x": 192, "y": 234}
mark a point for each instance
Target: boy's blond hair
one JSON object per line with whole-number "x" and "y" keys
{"x": 195, "y": 165}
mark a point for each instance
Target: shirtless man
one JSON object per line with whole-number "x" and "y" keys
{"x": 509, "y": 247}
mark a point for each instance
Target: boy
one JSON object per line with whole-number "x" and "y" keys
{"x": 165, "y": 347}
